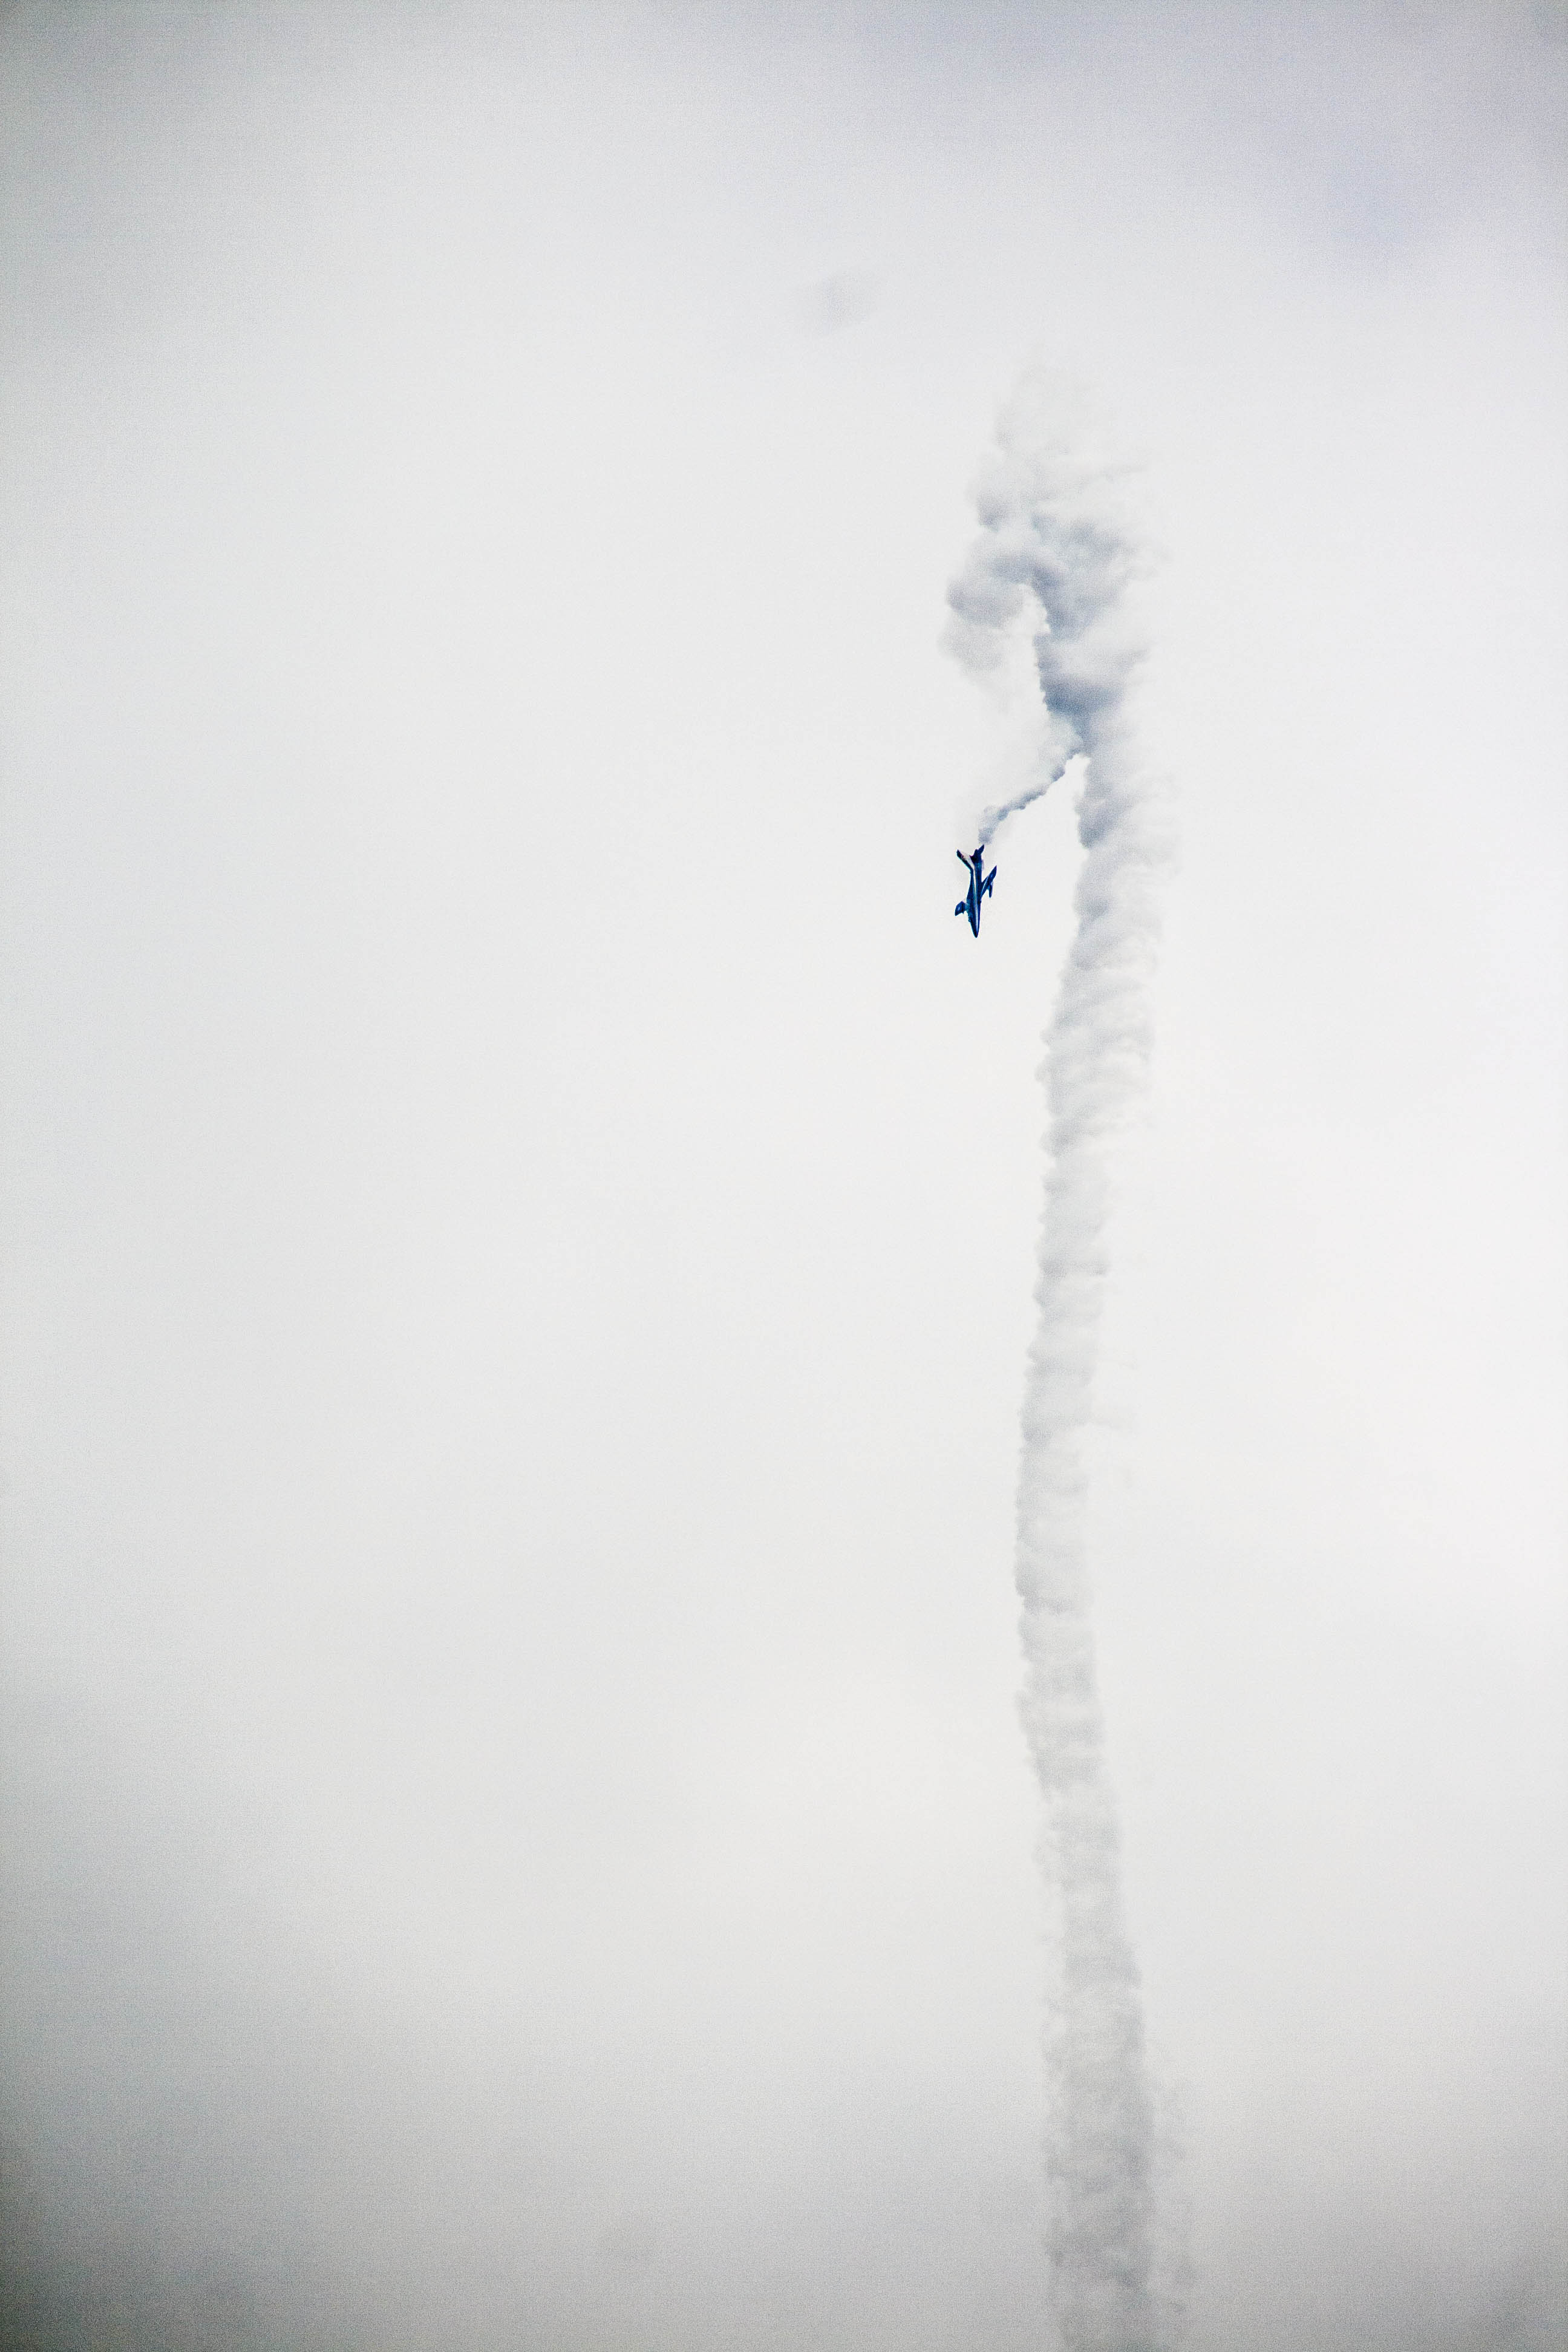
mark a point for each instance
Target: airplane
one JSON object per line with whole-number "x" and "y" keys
{"x": 970, "y": 906}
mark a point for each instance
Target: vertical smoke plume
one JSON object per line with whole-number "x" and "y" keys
{"x": 1057, "y": 538}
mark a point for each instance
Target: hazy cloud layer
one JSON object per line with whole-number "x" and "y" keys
{"x": 518, "y": 1202}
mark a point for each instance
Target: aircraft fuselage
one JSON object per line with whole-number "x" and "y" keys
{"x": 978, "y": 886}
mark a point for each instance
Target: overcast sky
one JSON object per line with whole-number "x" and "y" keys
{"x": 519, "y": 1200}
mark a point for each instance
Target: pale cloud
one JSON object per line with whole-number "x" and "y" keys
{"x": 521, "y": 1202}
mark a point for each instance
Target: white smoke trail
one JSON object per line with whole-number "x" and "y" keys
{"x": 1056, "y": 529}
{"x": 1047, "y": 772}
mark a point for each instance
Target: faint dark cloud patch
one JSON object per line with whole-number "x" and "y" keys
{"x": 56, "y": 2295}
{"x": 841, "y": 301}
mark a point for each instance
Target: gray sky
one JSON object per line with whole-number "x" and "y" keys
{"x": 519, "y": 1200}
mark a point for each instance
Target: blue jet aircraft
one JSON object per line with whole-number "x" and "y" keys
{"x": 970, "y": 906}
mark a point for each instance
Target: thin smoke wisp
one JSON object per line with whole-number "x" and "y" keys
{"x": 1059, "y": 540}
{"x": 1048, "y": 773}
